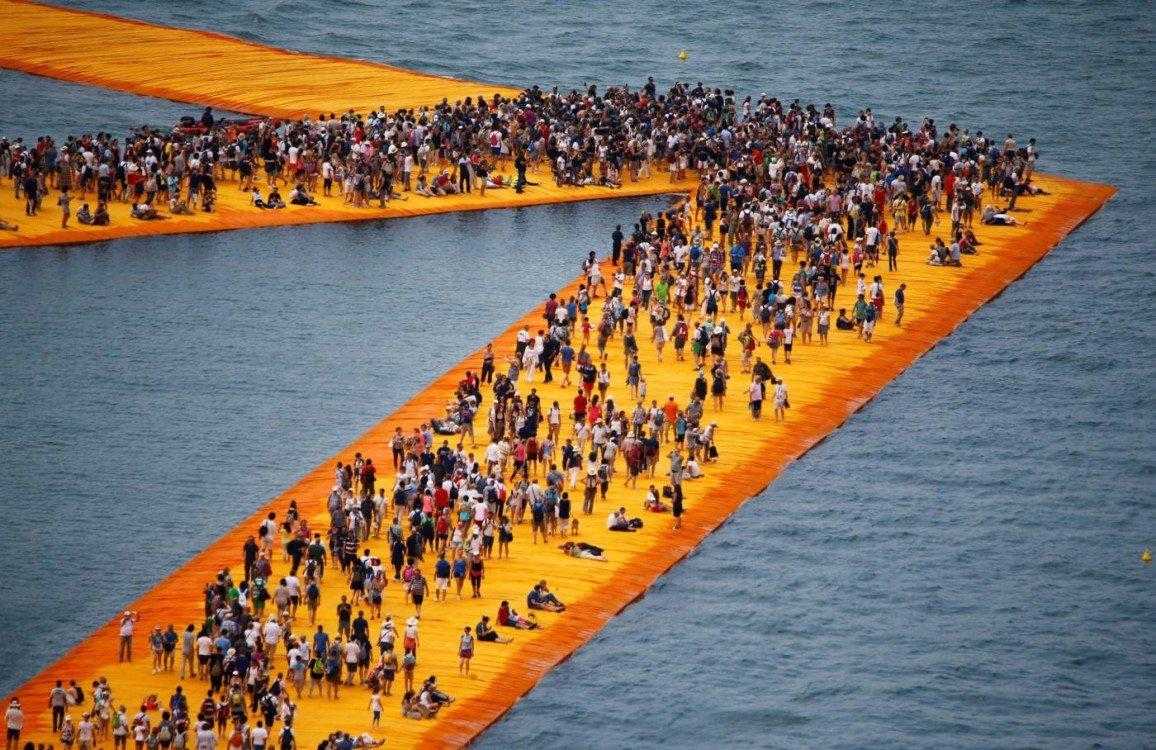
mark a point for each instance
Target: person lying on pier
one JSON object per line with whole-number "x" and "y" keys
{"x": 84, "y": 215}
{"x": 177, "y": 206}
{"x": 299, "y": 197}
{"x": 445, "y": 426}
{"x": 995, "y": 218}
{"x": 843, "y": 323}
{"x": 584, "y": 551}
{"x": 541, "y": 598}
{"x": 509, "y": 618}
{"x": 485, "y": 632}
{"x": 8, "y": 226}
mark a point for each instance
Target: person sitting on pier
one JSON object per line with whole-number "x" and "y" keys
{"x": 485, "y": 632}
{"x": 275, "y": 199}
{"x": 431, "y": 698}
{"x": 144, "y": 212}
{"x": 541, "y": 598}
{"x": 617, "y": 521}
{"x": 256, "y": 199}
{"x": 299, "y": 197}
{"x": 411, "y": 708}
{"x": 178, "y": 207}
{"x": 653, "y": 502}
{"x": 101, "y": 217}
{"x": 511, "y": 619}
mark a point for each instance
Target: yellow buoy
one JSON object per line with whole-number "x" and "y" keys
{"x": 683, "y": 55}
{"x": 1146, "y": 556}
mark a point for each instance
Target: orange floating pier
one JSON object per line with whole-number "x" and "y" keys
{"x": 213, "y": 69}
{"x": 827, "y": 384}
{"x": 234, "y": 210}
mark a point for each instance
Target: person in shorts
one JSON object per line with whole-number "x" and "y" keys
{"x": 442, "y": 571}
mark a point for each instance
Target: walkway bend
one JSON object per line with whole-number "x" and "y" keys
{"x": 827, "y": 385}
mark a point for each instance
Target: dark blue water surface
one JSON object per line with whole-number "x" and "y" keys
{"x": 957, "y": 567}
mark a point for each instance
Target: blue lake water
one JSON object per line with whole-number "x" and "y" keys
{"x": 957, "y": 567}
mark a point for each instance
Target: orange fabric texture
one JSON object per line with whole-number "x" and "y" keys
{"x": 827, "y": 384}
{"x": 211, "y": 68}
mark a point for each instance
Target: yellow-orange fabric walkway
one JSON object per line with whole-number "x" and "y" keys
{"x": 827, "y": 384}
{"x": 213, "y": 69}
{"x": 234, "y": 210}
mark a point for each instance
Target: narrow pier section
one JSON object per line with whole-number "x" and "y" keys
{"x": 208, "y": 68}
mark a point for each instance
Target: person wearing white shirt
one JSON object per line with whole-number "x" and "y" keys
{"x": 271, "y": 633}
{"x": 259, "y": 736}
{"x": 127, "y": 625}
{"x": 206, "y": 738}
{"x": 14, "y": 724}
{"x": 352, "y": 654}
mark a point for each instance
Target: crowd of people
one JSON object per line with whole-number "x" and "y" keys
{"x": 874, "y": 170}
{"x": 789, "y": 208}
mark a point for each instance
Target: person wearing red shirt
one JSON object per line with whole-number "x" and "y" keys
{"x": 580, "y": 406}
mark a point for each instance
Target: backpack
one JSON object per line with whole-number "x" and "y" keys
{"x": 317, "y": 667}
{"x": 165, "y": 733}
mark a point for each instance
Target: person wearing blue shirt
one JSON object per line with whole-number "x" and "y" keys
{"x": 738, "y": 257}
{"x": 320, "y": 641}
